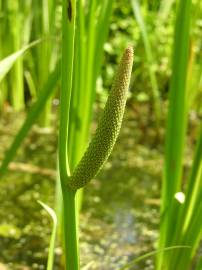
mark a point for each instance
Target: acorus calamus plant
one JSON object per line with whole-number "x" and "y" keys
{"x": 96, "y": 154}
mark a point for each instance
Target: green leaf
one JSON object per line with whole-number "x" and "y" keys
{"x": 34, "y": 112}
{"x": 7, "y": 63}
{"x": 150, "y": 59}
{"x": 150, "y": 254}
{"x": 53, "y": 216}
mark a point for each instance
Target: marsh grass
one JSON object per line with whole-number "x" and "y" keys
{"x": 150, "y": 60}
{"x": 74, "y": 61}
{"x": 180, "y": 221}
{"x": 22, "y": 22}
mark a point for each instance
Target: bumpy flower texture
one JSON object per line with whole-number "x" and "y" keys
{"x": 108, "y": 127}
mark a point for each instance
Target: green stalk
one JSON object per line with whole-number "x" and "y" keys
{"x": 17, "y": 80}
{"x": 3, "y": 85}
{"x": 44, "y": 25}
{"x": 78, "y": 94}
{"x": 176, "y": 126}
{"x": 194, "y": 185}
{"x": 26, "y": 6}
{"x": 103, "y": 23}
{"x": 150, "y": 59}
{"x": 192, "y": 237}
{"x": 88, "y": 100}
{"x": 70, "y": 229}
{"x": 69, "y": 202}
{"x": 44, "y": 65}
{"x": 177, "y": 116}
{"x": 188, "y": 227}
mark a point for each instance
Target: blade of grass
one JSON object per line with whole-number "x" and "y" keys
{"x": 31, "y": 85}
{"x": 31, "y": 118}
{"x": 78, "y": 92}
{"x": 44, "y": 64}
{"x": 51, "y": 212}
{"x": 87, "y": 101}
{"x": 7, "y": 63}
{"x": 177, "y": 115}
{"x": 188, "y": 229}
{"x": 194, "y": 185}
{"x": 150, "y": 59}
{"x": 44, "y": 25}
{"x": 15, "y": 43}
{"x": 102, "y": 27}
{"x": 150, "y": 254}
{"x": 4, "y": 84}
{"x": 183, "y": 260}
{"x": 176, "y": 123}
{"x": 26, "y": 6}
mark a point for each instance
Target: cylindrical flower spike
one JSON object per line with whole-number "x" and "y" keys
{"x": 108, "y": 128}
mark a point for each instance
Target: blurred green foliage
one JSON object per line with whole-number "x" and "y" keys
{"x": 159, "y": 24}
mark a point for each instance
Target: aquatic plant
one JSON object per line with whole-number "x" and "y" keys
{"x": 80, "y": 69}
{"x": 121, "y": 84}
{"x": 107, "y": 131}
{"x": 96, "y": 154}
{"x": 180, "y": 217}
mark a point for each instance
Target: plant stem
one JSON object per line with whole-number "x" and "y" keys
{"x": 70, "y": 229}
{"x": 150, "y": 60}
{"x": 17, "y": 90}
{"x": 69, "y": 198}
{"x": 175, "y": 132}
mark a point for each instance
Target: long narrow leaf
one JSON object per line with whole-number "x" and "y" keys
{"x": 31, "y": 117}
{"x": 53, "y": 216}
{"x": 176, "y": 126}
{"x": 7, "y": 63}
{"x": 150, "y": 58}
{"x": 150, "y": 254}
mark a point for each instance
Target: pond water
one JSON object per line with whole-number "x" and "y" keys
{"x": 120, "y": 211}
